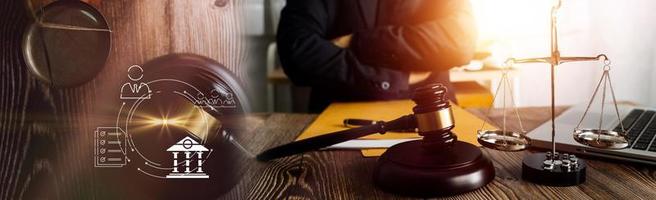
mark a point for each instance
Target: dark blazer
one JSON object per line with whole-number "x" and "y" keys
{"x": 390, "y": 38}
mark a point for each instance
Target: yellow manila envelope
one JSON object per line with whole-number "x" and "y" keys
{"x": 331, "y": 120}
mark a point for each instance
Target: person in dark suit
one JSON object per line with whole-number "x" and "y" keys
{"x": 351, "y": 50}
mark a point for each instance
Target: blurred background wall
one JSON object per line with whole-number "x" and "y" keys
{"x": 623, "y": 30}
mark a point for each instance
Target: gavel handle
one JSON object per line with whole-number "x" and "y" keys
{"x": 316, "y": 143}
{"x": 353, "y": 123}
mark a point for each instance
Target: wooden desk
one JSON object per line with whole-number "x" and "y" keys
{"x": 337, "y": 174}
{"x": 347, "y": 175}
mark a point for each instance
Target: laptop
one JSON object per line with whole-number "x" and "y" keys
{"x": 639, "y": 123}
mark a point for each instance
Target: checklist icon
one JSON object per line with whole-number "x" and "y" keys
{"x": 109, "y": 147}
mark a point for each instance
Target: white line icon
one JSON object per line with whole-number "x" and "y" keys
{"x": 109, "y": 147}
{"x": 115, "y": 147}
{"x": 135, "y": 89}
{"x": 193, "y": 151}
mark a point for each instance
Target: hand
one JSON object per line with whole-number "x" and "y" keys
{"x": 343, "y": 41}
{"x": 416, "y": 77}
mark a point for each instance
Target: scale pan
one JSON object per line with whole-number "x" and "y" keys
{"x": 603, "y": 139}
{"x": 503, "y": 141}
{"x": 64, "y": 57}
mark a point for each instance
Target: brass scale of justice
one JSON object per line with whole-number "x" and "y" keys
{"x": 550, "y": 168}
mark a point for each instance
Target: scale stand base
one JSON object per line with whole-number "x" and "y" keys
{"x": 558, "y": 170}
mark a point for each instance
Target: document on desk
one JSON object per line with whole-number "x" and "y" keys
{"x": 331, "y": 120}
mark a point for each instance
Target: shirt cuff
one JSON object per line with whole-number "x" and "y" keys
{"x": 390, "y": 84}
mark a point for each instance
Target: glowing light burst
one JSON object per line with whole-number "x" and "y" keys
{"x": 194, "y": 121}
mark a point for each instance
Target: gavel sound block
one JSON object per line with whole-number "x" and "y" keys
{"x": 437, "y": 165}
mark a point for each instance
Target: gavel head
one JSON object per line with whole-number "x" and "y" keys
{"x": 433, "y": 113}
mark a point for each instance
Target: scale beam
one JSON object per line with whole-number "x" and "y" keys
{"x": 561, "y": 60}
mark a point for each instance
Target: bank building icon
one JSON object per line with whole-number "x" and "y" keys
{"x": 187, "y": 159}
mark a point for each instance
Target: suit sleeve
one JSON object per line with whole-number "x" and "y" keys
{"x": 310, "y": 59}
{"x": 444, "y": 40}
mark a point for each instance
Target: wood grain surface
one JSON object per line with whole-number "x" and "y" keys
{"x": 341, "y": 174}
{"x": 46, "y": 134}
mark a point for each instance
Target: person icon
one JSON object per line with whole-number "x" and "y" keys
{"x": 229, "y": 100}
{"x": 215, "y": 98}
{"x": 200, "y": 99}
{"x": 132, "y": 89}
